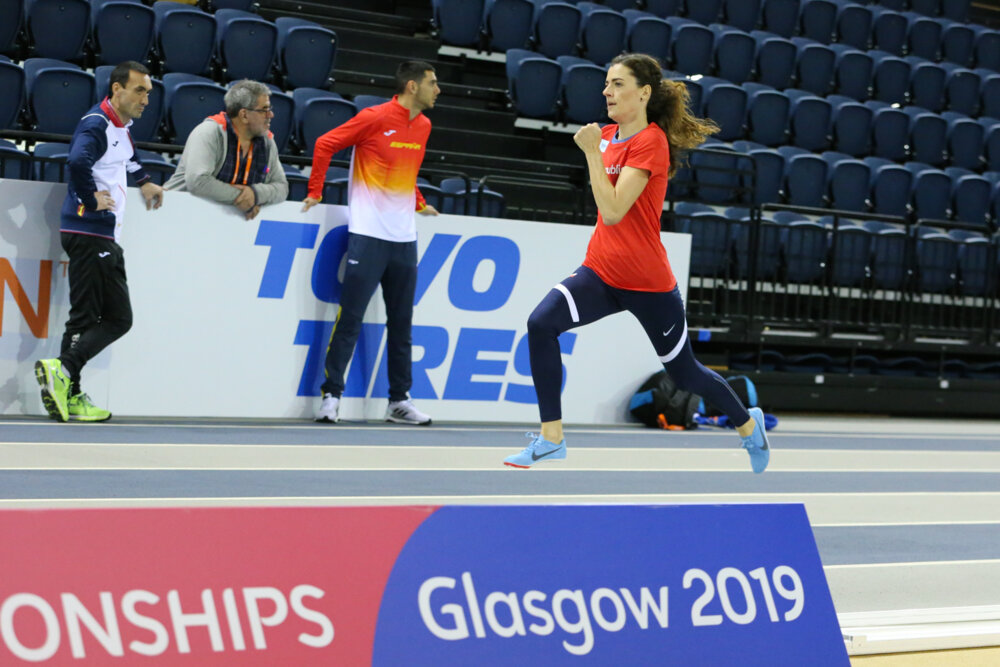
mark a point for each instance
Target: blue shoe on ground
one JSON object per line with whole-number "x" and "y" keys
{"x": 540, "y": 449}
{"x": 756, "y": 443}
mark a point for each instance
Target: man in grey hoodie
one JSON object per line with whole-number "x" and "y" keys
{"x": 231, "y": 157}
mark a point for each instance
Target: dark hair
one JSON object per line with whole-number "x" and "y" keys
{"x": 669, "y": 107}
{"x": 122, "y": 71}
{"x": 411, "y": 70}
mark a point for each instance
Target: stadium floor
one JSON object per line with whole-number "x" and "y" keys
{"x": 906, "y": 512}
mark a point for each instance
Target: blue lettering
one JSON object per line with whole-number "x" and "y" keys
{"x": 506, "y": 258}
{"x": 433, "y": 259}
{"x": 316, "y": 334}
{"x": 525, "y": 393}
{"x": 434, "y": 343}
{"x": 325, "y": 283}
{"x": 466, "y": 363}
{"x": 284, "y": 238}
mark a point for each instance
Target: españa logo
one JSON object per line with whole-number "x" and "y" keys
{"x": 404, "y": 144}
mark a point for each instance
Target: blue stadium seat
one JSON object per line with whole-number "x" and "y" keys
{"x": 805, "y": 177}
{"x": 889, "y": 255}
{"x": 847, "y": 182}
{"x": 306, "y": 52}
{"x": 365, "y": 101}
{"x": 602, "y": 32}
{"x": 664, "y": 8}
{"x": 50, "y": 162}
{"x": 283, "y": 122}
{"x": 189, "y": 99}
{"x": 477, "y": 201}
{"x": 851, "y": 126}
{"x": 556, "y": 28}
{"x": 965, "y": 140}
{"x": 818, "y": 20}
{"x": 976, "y": 270}
{"x": 894, "y": 5}
{"x": 970, "y": 196}
{"x": 936, "y": 260}
{"x": 775, "y": 59}
{"x": 621, "y": 5}
{"x": 694, "y": 88}
{"x": 928, "y": 136}
{"x": 533, "y": 83}
{"x": 891, "y": 78}
{"x": 889, "y": 187}
{"x": 767, "y": 114}
{"x": 956, "y": 10}
{"x": 991, "y": 145}
{"x": 508, "y": 23}
{"x": 742, "y": 14}
{"x": 889, "y": 30}
{"x": 957, "y": 43}
{"x": 316, "y": 113}
{"x": 809, "y": 120}
{"x": 780, "y": 16}
{"x": 927, "y": 84}
{"x": 804, "y": 247}
{"x": 770, "y": 166}
{"x": 58, "y": 94}
{"x": 853, "y": 72}
{"x": 923, "y": 36}
{"x": 962, "y": 89}
{"x": 122, "y": 30}
{"x": 768, "y": 251}
{"x": 890, "y": 131}
{"x": 995, "y": 202}
{"x": 185, "y": 38}
{"x": 57, "y": 28}
{"x": 298, "y": 184}
{"x": 814, "y": 65}
{"x": 854, "y": 25}
{"x": 715, "y": 178}
{"x": 733, "y": 54}
{"x": 12, "y": 82}
{"x": 459, "y": 21}
{"x": 245, "y": 44}
{"x": 704, "y": 11}
{"x": 989, "y": 93}
{"x": 726, "y": 104}
{"x": 13, "y": 10}
{"x": 931, "y": 193}
{"x": 158, "y": 167}
{"x": 582, "y": 84}
{"x": 691, "y": 46}
{"x": 242, "y": 5}
{"x": 147, "y": 126}
{"x": 711, "y": 242}
{"x": 648, "y": 34}
{"x": 14, "y": 163}
{"x": 987, "y": 47}
{"x": 850, "y": 255}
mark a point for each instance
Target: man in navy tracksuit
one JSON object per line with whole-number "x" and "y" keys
{"x": 101, "y": 155}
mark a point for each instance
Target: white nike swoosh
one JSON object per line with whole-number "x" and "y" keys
{"x": 667, "y": 332}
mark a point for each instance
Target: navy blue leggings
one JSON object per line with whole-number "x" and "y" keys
{"x": 583, "y": 298}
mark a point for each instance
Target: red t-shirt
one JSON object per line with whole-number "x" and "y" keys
{"x": 629, "y": 255}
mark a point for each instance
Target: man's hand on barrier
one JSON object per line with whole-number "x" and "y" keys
{"x": 245, "y": 200}
{"x": 153, "y": 194}
{"x": 252, "y": 213}
{"x": 308, "y": 203}
{"x": 428, "y": 210}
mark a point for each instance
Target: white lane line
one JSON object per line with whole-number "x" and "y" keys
{"x": 123, "y": 456}
{"x": 823, "y": 509}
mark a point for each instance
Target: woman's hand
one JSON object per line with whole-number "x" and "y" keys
{"x": 588, "y": 138}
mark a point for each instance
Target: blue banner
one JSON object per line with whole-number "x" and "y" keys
{"x": 610, "y": 585}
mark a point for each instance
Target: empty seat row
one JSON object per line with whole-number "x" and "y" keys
{"x": 185, "y": 39}
{"x": 864, "y": 364}
{"x": 796, "y": 249}
{"x": 598, "y": 32}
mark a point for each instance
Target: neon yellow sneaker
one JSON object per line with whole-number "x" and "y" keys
{"x": 55, "y": 387}
{"x": 82, "y": 410}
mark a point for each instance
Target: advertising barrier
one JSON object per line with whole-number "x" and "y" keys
{"x": 232, "y": 317}
{"x": 512, "y": 585}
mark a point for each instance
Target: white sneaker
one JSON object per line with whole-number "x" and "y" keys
{"x": 329, "y": 412}
{"x": 403, "y": 412}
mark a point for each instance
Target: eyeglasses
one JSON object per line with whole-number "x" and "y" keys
{"x": 263, "y": 110}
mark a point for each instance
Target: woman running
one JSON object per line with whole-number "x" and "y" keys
{"x": 626, "y": 266}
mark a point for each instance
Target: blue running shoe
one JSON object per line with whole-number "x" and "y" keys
{"x": 756, "y": 443}
{"x": 540, "y": 449}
